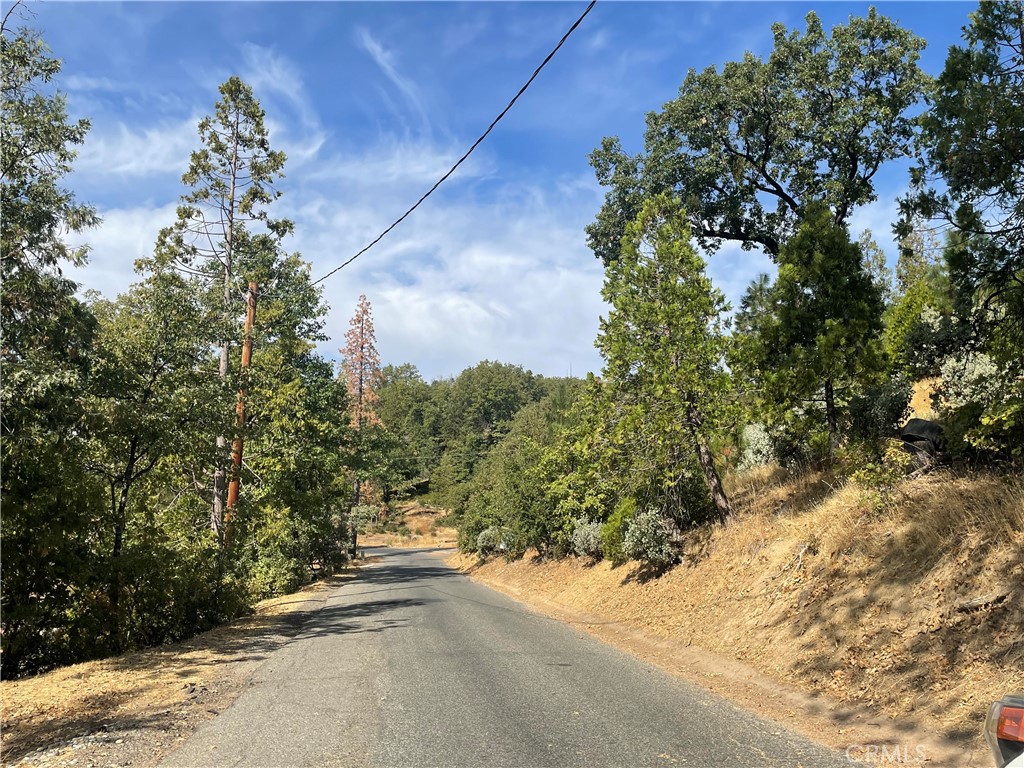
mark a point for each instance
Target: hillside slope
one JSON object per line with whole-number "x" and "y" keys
{"x": 916, "y": 611}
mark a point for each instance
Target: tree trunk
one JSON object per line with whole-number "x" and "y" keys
{"x": 707, "y": 465}
{"x": 120, "y": 510}
{"x": 356, "y": 498}
{"x": 713, "y": 481}
{"x": 220, "y": 480}
{"x": 831, "y": 416}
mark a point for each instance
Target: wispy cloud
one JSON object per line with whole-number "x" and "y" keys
{"x": 119, "y": 149}
{"x": 400, "y": 163}
{"x": 271, "y": 73}
{"x": 89, "y": 83}
{"x": 125, "y": 235}
{"x": 385, "y": 60}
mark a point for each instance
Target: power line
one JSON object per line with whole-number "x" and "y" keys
{"x": 462, "y": 159}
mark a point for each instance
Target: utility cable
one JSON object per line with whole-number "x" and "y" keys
{"x": 462, "y": 159}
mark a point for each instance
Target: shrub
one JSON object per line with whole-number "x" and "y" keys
{"x": 488, "y": 541}
{"x": 971, "y": 380}
{"x": 647, "y": 539}
{"x": 880, "y": 475}
{"x": 613, "y": 532}
{"x": 758, "y": 448}
{"x": 982, "y": 405}
{"x": 879, "y": 410}
{"x": 586, "y": 538}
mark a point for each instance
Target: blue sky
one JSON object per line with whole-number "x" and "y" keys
{"x": 374, "y": 101}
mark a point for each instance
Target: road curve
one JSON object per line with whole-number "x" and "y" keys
{"x": 412, "y": 665}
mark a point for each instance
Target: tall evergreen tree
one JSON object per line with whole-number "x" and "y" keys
{"x": 807, "y": 339}
{"x": 664, "y": 347}
{"x": 360, "y": 366}
{"x": 224, "y": 228}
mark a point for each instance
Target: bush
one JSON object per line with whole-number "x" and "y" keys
{"x": 586, "y": 538}
{"x": 614, "y": 531}
{"x": 647, "y": 539}
{"x": 489, "y": 540}
{"x": 982, "y": 406}
{"x": 879, "y": 411}
{"x": 758, "y": 448}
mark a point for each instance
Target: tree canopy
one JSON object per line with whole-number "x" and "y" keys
{"x": 748, "y": 148}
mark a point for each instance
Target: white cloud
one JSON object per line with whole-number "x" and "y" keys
{"x": 507, "y": 279}
{"x": 124, "y": 235}
{"x": 385, "y": 59}
{"x": 394, "y": 162}
{"x": 162, "y": 148}
{"x": 88, "y": 83}
{"x": 268, "y": 72}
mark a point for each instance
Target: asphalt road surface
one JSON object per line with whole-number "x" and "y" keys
{"x": 413, "y": 665}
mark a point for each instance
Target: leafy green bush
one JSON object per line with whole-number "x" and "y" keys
{"x": 879, "y": 410}
{"x": 613, "y": 532}
{"x": 758, "y": 447}
{"x": 586, "y": 538}
{"x": 647, "y": 539}
{"x": 982, "y": 405}
{"x": 488, "y": 541}
{"x": 880, "y": 475}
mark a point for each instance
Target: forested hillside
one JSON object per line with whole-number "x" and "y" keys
{"x": 159, "y": 476}
{"x": 815, "y": 368}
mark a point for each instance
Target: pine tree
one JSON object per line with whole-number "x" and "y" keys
{"x": 664, "y": 345}
{"x": 231, "y": 184}
{"x": 361, "y": 369}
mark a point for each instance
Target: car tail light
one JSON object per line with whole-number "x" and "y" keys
{"x": 1004, "y": 731}
{"x": 1010, "y": 725}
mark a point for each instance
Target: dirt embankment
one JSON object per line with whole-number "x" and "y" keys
{"x": 902, "y": 625}
{"x": 415, "y": 526}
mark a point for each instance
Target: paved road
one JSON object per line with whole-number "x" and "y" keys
{"x": 414, "y": 665}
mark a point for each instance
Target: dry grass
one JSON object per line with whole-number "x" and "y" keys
{"x": 812, "y": 584}
{"x": 921, "y": 398}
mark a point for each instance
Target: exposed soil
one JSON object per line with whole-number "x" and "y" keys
{"x": 852, "y": 623}
{"x": 134, "y": 709}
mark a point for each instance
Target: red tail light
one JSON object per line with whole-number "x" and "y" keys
{"x": 1010, "y": 726}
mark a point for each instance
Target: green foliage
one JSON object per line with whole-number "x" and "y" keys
{"x": 811, "y": 338}
{"x": 648, "y": 540}
{"x": 879, "y": 474}
{"x": 50, "y": 501}
{"x": 111, "y": 409}
{"x": 982, "y": 405}
{"x": 971, "y": 167}
{"x": 586, "y": 538}
{"x": 749, "y": 147}
{"x": 757, "y": 447}
{"x": 664, "y": 345}
{"x": 613, "y": 532}
{"x": 880, "y": 409}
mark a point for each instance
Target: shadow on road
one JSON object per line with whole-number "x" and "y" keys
{"x": 357, "y": 618}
